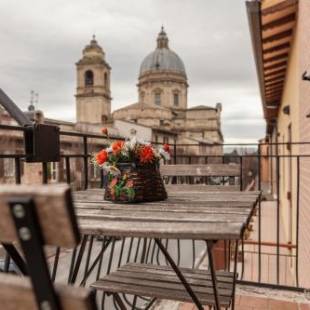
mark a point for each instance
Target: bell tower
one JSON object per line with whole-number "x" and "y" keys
{"x": 93, "y": 93}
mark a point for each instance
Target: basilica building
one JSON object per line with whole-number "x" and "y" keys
{"x": 162, "y": 102}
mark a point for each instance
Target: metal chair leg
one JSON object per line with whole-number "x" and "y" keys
{"x": 235, "y": 274}
{"x": 179, "y": 274}
{"x": 213, "y": 275}
{"x": 119, "y": 301}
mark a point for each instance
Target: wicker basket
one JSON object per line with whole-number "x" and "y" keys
{"x": 144, "y": 180}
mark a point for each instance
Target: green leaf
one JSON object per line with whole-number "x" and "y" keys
{"x": 130, "y": 192}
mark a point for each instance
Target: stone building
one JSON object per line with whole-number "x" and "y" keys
{"x": 162, "y": 99}
{"x": 93, "y": 92}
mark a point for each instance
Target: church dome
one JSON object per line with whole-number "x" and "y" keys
{"x": 162, "y": 59}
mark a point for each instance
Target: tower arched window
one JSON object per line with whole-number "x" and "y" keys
{"x": 157, "y": 98}
{"x": 89, "y": 78}
{"x": 106, "y": 81}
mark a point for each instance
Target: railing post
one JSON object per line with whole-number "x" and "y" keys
{"x": 17, "y": 171}
{"x": 68, "y": 174}
{"x": 259, "y": 216}
{"x": 44, "y": 173}
{"x": 241, "y": 173}
{"x": 175, "y": 152}
{"x": 297, "y": 221}
{"x": 278, "y": 217}
{"x": 85, "y": 157}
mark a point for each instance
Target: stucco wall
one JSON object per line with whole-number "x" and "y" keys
{"x": 288, "y": 167}
{"x": 127, "y": 129}
{"x": 92, "y": 109}
{"x": 304, "y": 227}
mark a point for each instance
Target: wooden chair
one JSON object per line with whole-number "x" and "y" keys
{"x": 34, "y": 216}
{"x": 190, "y": 172}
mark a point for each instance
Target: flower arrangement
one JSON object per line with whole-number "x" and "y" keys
{"x": 132, "y": 152}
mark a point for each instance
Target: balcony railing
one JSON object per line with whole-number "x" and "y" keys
{"x": 269, "y": 255}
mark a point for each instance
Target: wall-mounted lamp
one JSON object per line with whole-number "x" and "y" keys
{"x": 306, "y": 76}
{"x": 286, "y": 110}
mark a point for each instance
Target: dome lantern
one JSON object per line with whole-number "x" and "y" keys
{"x": 162, "y": 39}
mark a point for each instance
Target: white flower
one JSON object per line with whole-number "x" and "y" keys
{"x": 111, "y": 169}
{"x": 164, "y": 154}
{"x": 114, "y": 171}
{"x": 130, "y": 144}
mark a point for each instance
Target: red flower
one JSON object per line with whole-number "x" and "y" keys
{"x": 146, "y": 154}
{"x": 104, "y": 130}
{"x": 129, "y": 184}
{"x": 117, "y": 147}
{"x": 101, "y": 157}
{"x": 166, "y": 148}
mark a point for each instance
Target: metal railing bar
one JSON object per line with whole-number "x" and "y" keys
{"x": 278, "y": 219}
{"x": 259, "y": 217}
{"x": 297, "y": 221}
{"x": 271, "y": 244}
{"x": 271, "y": 286}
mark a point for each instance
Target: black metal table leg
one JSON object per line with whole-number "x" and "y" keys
{"x": 235, "y": 274}
{"x": 78, "y": 260}
{"x": 213, "y": 275}
{"x": 179, "y": 274}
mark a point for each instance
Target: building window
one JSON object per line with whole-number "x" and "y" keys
{"x": 104, "y": 119}
{"x": 89, "y": 78}
{"x": 176, "y": 99}
{"x": 161, "y": 122}
{"x": 8, "y": 167}
{"x": 157, "y": 98}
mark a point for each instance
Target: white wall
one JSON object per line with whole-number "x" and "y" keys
{"x": 127, "y": 130}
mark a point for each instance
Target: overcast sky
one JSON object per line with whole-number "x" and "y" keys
{"x": 42, "y": 39}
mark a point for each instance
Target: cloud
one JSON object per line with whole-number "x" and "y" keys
{"x": 42, "y": 40}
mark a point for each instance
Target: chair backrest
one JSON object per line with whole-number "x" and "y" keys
{"x": 16, "y": 293}
{"x": 54, "y": 209}
{"x": 208, "y": 170}
{"x": 36, "y": 216}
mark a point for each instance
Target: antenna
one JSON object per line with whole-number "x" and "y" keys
{"x": 31, "y": 105}
{"x": 36, "y": 99}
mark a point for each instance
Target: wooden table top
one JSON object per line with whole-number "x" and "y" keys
{"x": 184, "y": 215}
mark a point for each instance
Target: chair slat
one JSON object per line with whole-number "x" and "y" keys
{"x": 16, "y": 294}
{"x": 219, "y": 170}
{"x": 54, "y": 208}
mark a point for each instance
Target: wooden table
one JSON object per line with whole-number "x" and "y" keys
{"x": 186, "y": 215}
{"x": 194, "y": 215}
